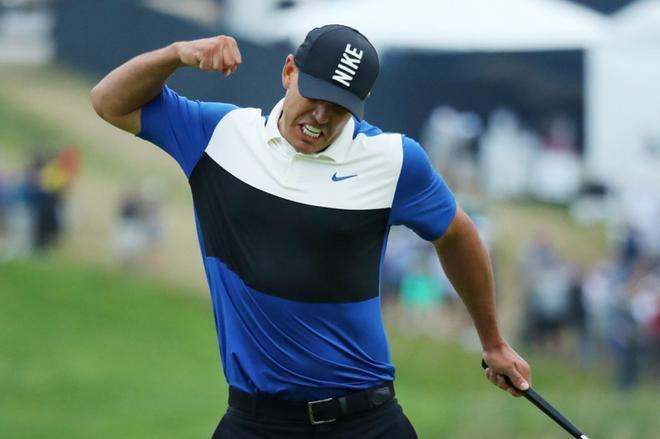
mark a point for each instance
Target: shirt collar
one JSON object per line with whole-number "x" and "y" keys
{"x": 337, "y": 151}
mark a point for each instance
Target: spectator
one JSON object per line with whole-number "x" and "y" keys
{"x": 138, "y": 229}
{"x": 546, "y": 281}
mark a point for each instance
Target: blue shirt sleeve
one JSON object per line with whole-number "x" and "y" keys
{"x": 181, "y": 127}
{"x": 422, "y": 200}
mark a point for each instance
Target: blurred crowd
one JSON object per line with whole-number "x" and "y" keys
{"x": 34, "y": 213}
{"x": 31, "y": 202}
{"x": 610, "y": 310}
{"x": 606, "y": 311}
{"x": 417, "y": 295}
{"x": 502, "y": 157}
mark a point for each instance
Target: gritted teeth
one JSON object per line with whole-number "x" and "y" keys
{"x": 312, "y": 128}
{"x": 311, "y": 131}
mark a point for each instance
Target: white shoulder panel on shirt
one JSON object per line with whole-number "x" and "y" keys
{"x": 365, "y": 179}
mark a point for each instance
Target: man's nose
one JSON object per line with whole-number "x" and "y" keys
{"x": 321, "y": 111}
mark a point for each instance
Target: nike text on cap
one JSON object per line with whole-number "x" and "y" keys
{"x": 337, "y": 64}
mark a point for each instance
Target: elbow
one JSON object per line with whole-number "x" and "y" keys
{"x": 109, "y": 108}
{"x": 99, "y": 102}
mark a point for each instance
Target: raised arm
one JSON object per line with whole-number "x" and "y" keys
{"x": 467, "y": 265}
{"x": 119, "y": 96}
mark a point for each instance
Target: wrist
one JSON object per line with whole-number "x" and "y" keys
{"x": 489, "y": 334}
{"x": 175, "y": 52}
{"x": 493, "y": 344}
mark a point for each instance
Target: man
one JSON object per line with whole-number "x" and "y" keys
{"x": 293, "y": 211}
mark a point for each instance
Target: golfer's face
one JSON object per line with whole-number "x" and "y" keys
{"x": 309, "y": 125}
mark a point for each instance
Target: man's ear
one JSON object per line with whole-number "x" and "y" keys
{"x": 288, "y": 71}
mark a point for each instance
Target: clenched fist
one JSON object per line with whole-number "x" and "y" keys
{"x": 215, "y": 54}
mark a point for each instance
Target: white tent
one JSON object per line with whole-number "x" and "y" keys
{"x": 638, "y": 23}
{"x": 623, "y": 100}
{"x": 465, "y": 25}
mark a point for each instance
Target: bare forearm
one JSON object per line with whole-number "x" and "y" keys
{"x": 119, "y": 96}
{"x": 134, "y": 83}
{"x": 467, "y": 265}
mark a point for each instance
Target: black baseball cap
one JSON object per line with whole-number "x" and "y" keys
{"x": 337, "y": 64}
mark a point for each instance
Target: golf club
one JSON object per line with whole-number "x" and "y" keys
{"x": 536, "y": 399}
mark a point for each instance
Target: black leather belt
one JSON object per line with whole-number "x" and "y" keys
{"x": 317, "y": 412}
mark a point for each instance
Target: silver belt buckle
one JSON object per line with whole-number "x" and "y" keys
{"x": 310, "y": 410}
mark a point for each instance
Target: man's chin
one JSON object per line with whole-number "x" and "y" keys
{"x": 308, "y": 148}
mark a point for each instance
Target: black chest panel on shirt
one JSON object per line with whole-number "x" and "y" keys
{"x": 284, "y": 248}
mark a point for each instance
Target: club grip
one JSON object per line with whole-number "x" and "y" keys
{"x": 484, "y": 366}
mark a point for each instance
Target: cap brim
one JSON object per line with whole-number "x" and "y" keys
{"x": 315, "y": 88}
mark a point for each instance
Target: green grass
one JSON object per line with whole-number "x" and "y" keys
{"x": 90, "y": 353}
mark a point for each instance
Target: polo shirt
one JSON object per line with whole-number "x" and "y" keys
{"x": 293, "y": 243}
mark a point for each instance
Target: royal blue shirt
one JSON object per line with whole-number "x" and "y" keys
{"x": 293, "y": 244}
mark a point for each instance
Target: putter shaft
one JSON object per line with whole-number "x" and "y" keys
{"x": 532, "y": 396}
